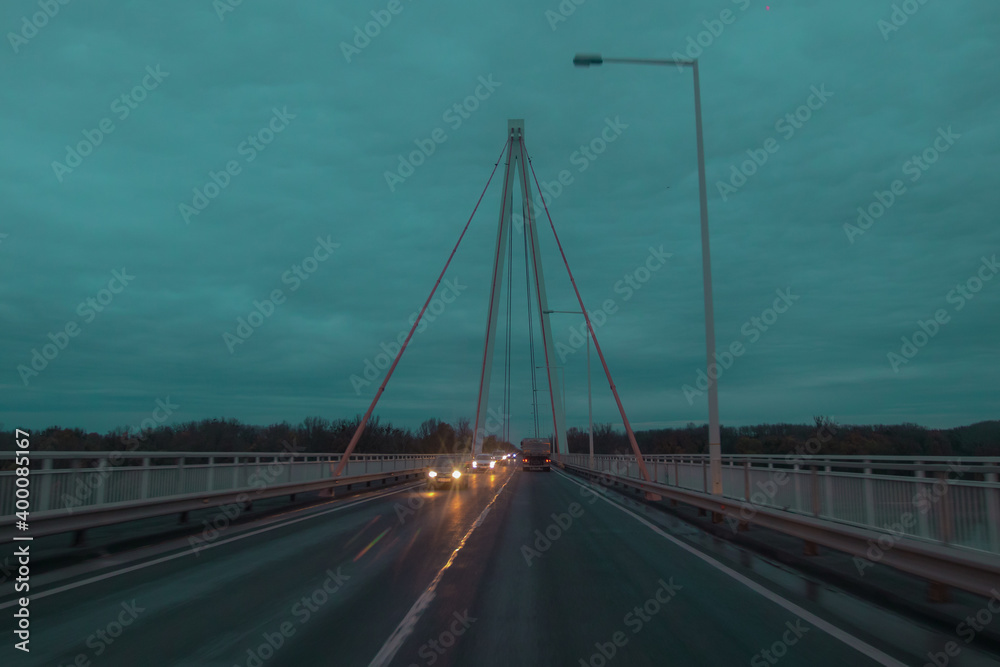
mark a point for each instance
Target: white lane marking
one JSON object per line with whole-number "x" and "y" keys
{"x": 405, "y": 627}
{"x": 832, "y": 630}
{"x": 164, "y": 559}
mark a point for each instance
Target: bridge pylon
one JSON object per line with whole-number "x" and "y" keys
{"x": 517, "y": 172}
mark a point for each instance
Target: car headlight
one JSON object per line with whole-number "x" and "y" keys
{"x": 492, "y": 463}
{"x": 473, "y": 464}
{"x": 456, "y": 474}
{"x": 432, "y": 474}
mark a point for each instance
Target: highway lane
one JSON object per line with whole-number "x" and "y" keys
{"x": 336, "y": 581}
{"x": 378, "y": 580}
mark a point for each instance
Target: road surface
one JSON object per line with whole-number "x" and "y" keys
{"x": 521, "y": 568}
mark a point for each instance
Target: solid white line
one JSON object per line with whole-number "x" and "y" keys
{"x": 832, "y": 630}
{"x": 164, "y": 559}
{"x": 405, "y": 627}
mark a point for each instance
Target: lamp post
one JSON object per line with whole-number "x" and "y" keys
{"x": 590, "y": 402}
{"x": 714, "y": 441}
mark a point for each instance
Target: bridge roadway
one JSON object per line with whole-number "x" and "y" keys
{"x": 459, "y": 577}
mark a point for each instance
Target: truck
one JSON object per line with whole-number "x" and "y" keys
{"x": 536, "y": 454}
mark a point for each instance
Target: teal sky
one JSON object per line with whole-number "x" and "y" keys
{"x": 176, "y": 162}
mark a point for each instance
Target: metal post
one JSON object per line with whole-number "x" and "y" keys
{"x": 816, "y": 508}
{"x": 869, "y": 497}
{"x": 923, "y": 526}
{"x": 993, "y": 512}
{"x": 944, "y": 512}
{"x": 144, "y": 484}
{"x": 590, "y": 404}
{"x": 828, "y": 491}
{"x": 797, "y": 472}
{"x": 102, "y": 473}
{"x": 45, "y": 487}
{"x": 714, "y": 439}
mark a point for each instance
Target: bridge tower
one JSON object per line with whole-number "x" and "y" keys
{"x": 517, "y": 172}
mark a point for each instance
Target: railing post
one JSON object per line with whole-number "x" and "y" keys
{"x": 211, "y": 473}
{"x": 922, "y": 524}
{"x": 180, "y": 475}
{"x": 993, "y": 513}
{"x": 828, "y": 490}
{"x": 704, "y": 476}
{"x": 45, "y": 487}
{"x": 869, "y": 497}
{"x": 746, "y": 480}
{"x": 944, "y": 511}
{"x": 816, "y": 508}
{"x": 100, "y": 492}
{"x": 797, "y": 472}
{"x": 144, "y": 483}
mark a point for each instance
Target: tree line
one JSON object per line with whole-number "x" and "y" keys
{"x": 321, "y": 435}
{"x": 980, "y": 439}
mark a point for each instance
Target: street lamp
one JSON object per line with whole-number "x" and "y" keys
{"x": 714, "y": 441}
{"x": 590, "y": 403}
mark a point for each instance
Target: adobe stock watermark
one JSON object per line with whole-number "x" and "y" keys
{"x": 85, "y": 485}
{"x": 923, "y": 501}
{"x": 899, "y": 17}
{"x": 293, "y": 277}
{"x": 766, "y": 491}
{"x": 454, "y": 116}
{"x": 223, "y": 7}
{"x": 635, "y": 620}
{"x": 87, "y": 310}
{"x": 30, "y": 25}
{"x": 303, "y": 610}
{"x": 212, "y": 529}
{"x": 494, "y": 422}
{"x": 373, "y": 367}
{"x": 697, "y": 44}
{"x": 915, "y": 167}
{"x": 779, "y": 649}
{"x": 582, "y": 158}
{"x": 562, "y": 12}
{"x": 929, "y": 328}
{"x": 751, "y": 330}
{"x": 561, "y": 522}
{"x": 787, "y": 126}
{"x": 122, "y": 106}
{"x": 966, "y": 631}
{"x": 363, "y": 35}
{"x": 432, "y": 650}
{"x": 629, "y": 284}
{"x": 248, "y": 149}
{"x": 102, "y": 638}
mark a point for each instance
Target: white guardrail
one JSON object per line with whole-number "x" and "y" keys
{"x": 70, "y": 485}
{"x": 945, "y": 500}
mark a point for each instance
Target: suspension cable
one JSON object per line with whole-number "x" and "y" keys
{"x": 621, "y": 408}
{"x": 531, "y": 331}
{"x": 493, "y": 287}
{"x": 507, "y": 343}
{"x": 402, "y": 348}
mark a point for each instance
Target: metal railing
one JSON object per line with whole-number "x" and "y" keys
{"x": 948, "y": 500}
{"x": 67, "y": 482}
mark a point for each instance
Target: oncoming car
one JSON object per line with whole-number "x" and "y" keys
{"x": 446, "y": 471}
{"x": 483, "y": 463}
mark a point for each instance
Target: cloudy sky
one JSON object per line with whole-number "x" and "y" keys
{"x": 166, "y": 165}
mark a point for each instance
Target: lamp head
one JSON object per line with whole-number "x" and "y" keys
{"x": 587, "y": 59}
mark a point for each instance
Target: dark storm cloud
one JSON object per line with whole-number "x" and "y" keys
{"x": 348, "y": 115}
